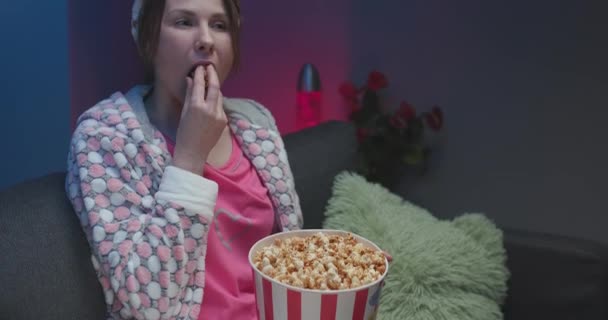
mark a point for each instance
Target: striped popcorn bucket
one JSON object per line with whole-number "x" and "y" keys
{"x": 278, "y": 301}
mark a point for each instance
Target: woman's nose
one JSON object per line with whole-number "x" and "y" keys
{"x": 204, "y": 42}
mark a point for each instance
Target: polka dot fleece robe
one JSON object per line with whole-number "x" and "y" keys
{"x": 148, "y": 250}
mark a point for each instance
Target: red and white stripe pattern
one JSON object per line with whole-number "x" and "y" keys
{"x": 277, "y": 302}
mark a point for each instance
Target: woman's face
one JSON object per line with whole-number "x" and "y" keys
{"x": 192, "y": 32}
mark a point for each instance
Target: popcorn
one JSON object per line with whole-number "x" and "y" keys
{"x": 321, "y": 262}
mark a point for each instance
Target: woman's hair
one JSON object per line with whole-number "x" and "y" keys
{"x": 150, "y": 20}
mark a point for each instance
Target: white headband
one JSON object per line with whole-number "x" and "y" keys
{"x": 134, "y": 17}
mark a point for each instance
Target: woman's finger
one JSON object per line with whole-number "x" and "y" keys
{"x": 213, "y": 92}
{"x": 198, "y": 87}
{"x": 189, "y": 85}
{"x": 388, "y": 256}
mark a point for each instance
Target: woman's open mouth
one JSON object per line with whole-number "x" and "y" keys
{"x": 193, "y": 69}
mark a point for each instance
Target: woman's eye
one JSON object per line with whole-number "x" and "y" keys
{"x": 183, "y": 23}
{"x": 220, "y": 25}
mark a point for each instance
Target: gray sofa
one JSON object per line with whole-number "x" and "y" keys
{"x": 46, "y": 273}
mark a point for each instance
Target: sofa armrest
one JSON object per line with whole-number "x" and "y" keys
{"x": 555, "y": 277}
{"x": 46, "y": 270}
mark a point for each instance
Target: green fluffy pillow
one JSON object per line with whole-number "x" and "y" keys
{"x": 440, "y": 270}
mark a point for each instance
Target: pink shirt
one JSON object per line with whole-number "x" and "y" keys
{"x": 243, "y": 214}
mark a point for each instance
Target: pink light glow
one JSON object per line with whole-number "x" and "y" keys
{"x": 309, "y": 111}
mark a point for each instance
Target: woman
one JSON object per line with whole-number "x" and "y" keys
{"x": 172, "y": 182}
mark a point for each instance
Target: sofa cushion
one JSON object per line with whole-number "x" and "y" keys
{"x": 46, "y": 270}
{"x": 440, "y": 270}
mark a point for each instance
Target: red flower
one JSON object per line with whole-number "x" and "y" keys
{"x": 406, "y": 111}
{"x": 434, "y": 119}
{"x": 348, "y": 91}
{"x": 376, "y": 80}
{"x": 396, "y": 121}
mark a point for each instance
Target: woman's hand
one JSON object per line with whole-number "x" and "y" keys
{"x": 388, "y": 256}
{"x": 202, "y": 121}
